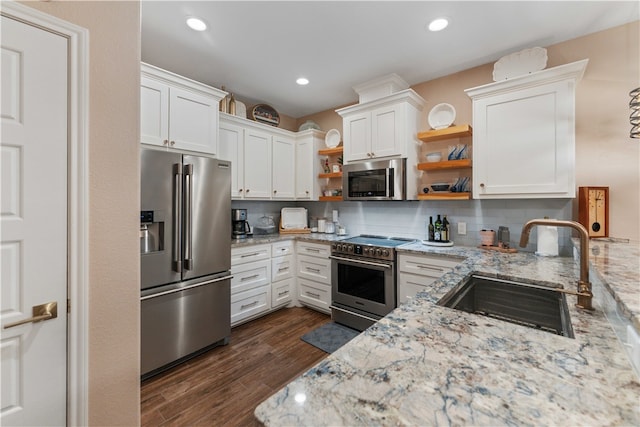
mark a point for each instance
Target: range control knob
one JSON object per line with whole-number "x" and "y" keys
{"x": 385, "y": 252}
{"x": 335, "y": 246}
{"x": 350, "y": 248}
{"x": 366, "y": 251}
{"x": 378, "y": 252}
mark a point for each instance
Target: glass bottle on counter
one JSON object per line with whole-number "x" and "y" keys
{"x": 445, "y": 229}
{"x": 437, "y": 230}
{"x": 430, "y": 235}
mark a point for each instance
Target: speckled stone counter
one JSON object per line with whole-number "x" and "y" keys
{"x": 424, "y": 364}
{"x": 271, "y": 238}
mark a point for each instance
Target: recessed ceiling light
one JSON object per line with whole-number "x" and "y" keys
{"x": 302, "y": 81}
{"x": 438, "y": 24}
{"x": 196, "y": 24}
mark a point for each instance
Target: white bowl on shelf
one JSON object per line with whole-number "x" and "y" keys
{"x": 434, "y": 157}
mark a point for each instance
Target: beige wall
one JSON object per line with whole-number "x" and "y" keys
{"x": 605, "y": 155}
{"x": 114, "y": 338}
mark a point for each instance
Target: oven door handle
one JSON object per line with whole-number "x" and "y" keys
{"x": 357, "y": 261}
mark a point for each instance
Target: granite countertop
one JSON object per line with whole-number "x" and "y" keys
{"x": 424, "y": 364}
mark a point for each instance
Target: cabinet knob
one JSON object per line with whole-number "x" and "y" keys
{"x": 240, "y": 190}
{"x": 368, "y": 154}
{"x": 165, "y": 142}
{"x": 482, "y": 184}
{"x": 373, "y": 154}
{"x": 172, "y": 143}
{"x": 275, "y": 191}
{"x": 306, "y": 191}
{"x": 247, "y": 190}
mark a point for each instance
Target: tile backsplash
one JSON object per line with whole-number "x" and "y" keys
{"x": 410, "y": 219}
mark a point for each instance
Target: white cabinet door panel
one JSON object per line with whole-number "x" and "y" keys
{"x": 283, "y": 167}
{"x": 257, "y": 164}
{"x": 231, "y": 148}
{"x": 357, "y": 136}
{"x": 193, "y": 123}
{"x": 154, "y": 112}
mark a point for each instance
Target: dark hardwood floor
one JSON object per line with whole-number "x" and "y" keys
{"x": 224, "y": 385}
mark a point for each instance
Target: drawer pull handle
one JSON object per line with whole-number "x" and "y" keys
{"x": 283, "y": 293}
{"x": 315, "y": 270}
{"x": 283, "y": 269}
{"x": 249, "y": 277}
{"x": 311, "y": 294}
{"x": 312, "y": 250}
{"x": 242, "y": 307}
{"x": 426, "y": 267}
{"x": 251, "y": 254}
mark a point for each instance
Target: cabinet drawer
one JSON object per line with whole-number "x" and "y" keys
{"x": 410, "y": 284}
{"x": 314, "y": 294}
{"x": 249, "y": 276}
{"x": 313, "y": 249}
{"x": 281, "y": 292}
{"x": 318, "y": 269}
{"x": 282, "y": 268}
{"x": 246, "y": 254}
{"x": 282, "y": 248}
{"x": 250, "y": 303}
{"x": 426, "y": 265}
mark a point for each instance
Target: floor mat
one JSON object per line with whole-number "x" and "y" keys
{"x": 330, "y": 336}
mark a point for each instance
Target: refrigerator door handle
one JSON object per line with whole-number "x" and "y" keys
{"x": 177, "y": 217}
{"x": 188, "y": 178}
{"x": 173, "y": 291}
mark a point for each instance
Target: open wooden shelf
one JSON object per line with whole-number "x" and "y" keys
{"x": 447, "y": 164}
{"x": 447, "y": 133}
{"x": 330, "y": 151}
{"x": 330, "y": 198}
{"x": 444, "y": 196}
{"x": 330, "y": 175}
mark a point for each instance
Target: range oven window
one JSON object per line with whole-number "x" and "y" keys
{"x": 365, "y": 283}
{"x": 370, "y": 183}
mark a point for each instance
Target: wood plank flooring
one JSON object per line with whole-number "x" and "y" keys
{"x": 224, "y": 385}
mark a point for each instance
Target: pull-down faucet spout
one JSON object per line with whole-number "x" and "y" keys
{"x": 585, "y": 296}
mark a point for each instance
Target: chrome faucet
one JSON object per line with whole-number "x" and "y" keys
{"x": 585, "y": 296}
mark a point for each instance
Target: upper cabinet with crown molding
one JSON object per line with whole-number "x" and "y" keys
{"x": 382, "y": 128}
{"x": 176, "y": 112}
{"x": 524, "y": 135}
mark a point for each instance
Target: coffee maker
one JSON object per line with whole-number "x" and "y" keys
{"x": 240, "y": 225}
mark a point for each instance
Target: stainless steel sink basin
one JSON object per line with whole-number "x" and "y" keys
{"x": 521, "y": 303}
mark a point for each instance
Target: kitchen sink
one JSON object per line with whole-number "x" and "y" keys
{"x": 525, "y": 304}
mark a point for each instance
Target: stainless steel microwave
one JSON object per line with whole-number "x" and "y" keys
{"x": 380, "y": 180}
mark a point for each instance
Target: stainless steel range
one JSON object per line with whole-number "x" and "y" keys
{"x": 363, "y": 279}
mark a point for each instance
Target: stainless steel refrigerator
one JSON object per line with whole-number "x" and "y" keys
{"x": 185, "y": 251}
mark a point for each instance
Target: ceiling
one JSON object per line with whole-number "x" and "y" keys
{"x": 258, "y": 49}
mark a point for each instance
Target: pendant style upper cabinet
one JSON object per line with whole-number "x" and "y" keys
{"x": 524, "y": 135}
{"x": 382, "y": 128}
{"x": 176, "y": 112}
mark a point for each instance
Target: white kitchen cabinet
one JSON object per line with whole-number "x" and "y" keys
{"x": 307, "y": 164}
{"x": 176, "y": 112}
{"x": 263, "y": 279}
{"x": 524, "y": 135}
{"x": 257, "y": 164}
{"x": 417, "y": 272}
{"x": 385, "y": 127}
{"x": 283, "y": 169}
{"x": 314, "y": 275}
{"x": 282, "y": 273}
{"x": 251, "y": 282}
{"x": 231, "y": 148}
{"x": 263, "y": 159}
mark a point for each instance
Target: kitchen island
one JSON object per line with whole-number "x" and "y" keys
{"x": 424, "y": 364}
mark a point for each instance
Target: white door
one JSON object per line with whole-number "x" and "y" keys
{"x": 33, "y": 224}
